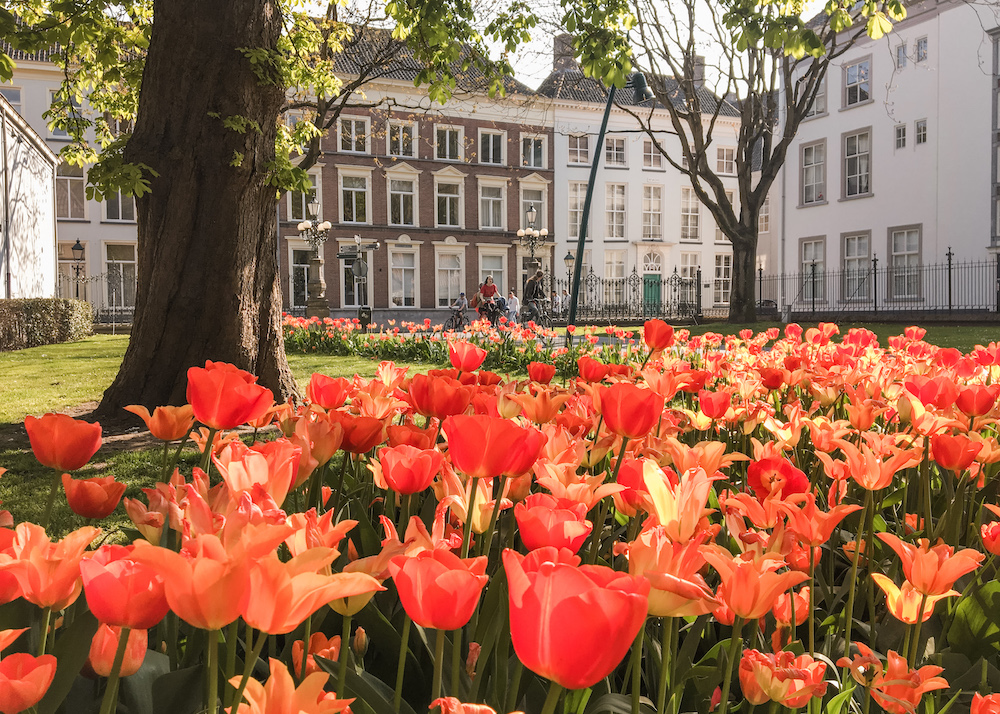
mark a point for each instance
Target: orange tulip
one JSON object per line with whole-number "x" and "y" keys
{"x": 905, "y": 602}
{"x": 361, "y": 433}
{"x": 681, "y": 508}
{"x": 782, "y": 609}
{"x": 672, "y": 569}
{"x": 990, "y": 533}
{"x": 750, "y": 587}
{"x": 319, "y": 646}
{"x": 540, "y": 405}
{"x": 93, "y": 497}
{"x": 438, "y": 396}
{"x": 591, "y": 370}
{"x": 812, "y": 526}
{"x": 545, "y": 520}
{"x": 932, "y": 570}
{"x": 954, "y": 452}
{"x": 657, "y": 335}
{"x": 541, "y": 373}
{"x": 104, "y": 647}
{"x": 437, "y": 588}
{"x": 24, "y": 680}
{"x": 783, "y": 678}
{"x": 451, "y": 705}
{"x": 485, "y": 447}
{"x": 280, "y": 694}
{"x": 166, "y": 423}
{"x": 714, "y": 405}
{"x": 465, "y": 356}
{"x": 272, "y": 465}
{"x": 223, "y": 396}
{"x": 899, "y": 689}
{"x": 48, "y": 573}
{"x": 630, "y": 411}
{"x": 328, "y": 392}
{"x": 990, "y": 704}
{"x": 407, "y": 469}
{"x": 61, "y": 442}
{"x": 873, "y": 472}
{"x": 121, "y": 591}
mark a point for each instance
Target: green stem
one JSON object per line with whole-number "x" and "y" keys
{"x": 404, "y": 512}
{"x": 111, "y": 692}
{"x": 206, "y": 456}
{"x": 340, "y": 484}
{"x": 467, "y": 536}
{"x": 232, "y": 637}
{"x": 595, "y": 542}
{"x": 211, "y": 666}
{"x": 345, "y": 652}
{"x": 552, "y": 699}
{"x": 438, "y": 665}
{"x": 46, "y": 619}
{"x": 637, "y": 668}
{"x": 456, "y": 663}
{"x": 401, "y": 666}
{"x": 306, "y": 636}
{"x": 666, "y": 657}
{"x": 53, "y": 488}
{"x": 925, "y": 478}
{"x": 515, "y": 685}
{"x": 812, "y": 625}
{"x": 494, "y": 516}
{"x": 249, "y": 663}
{"x": 915, "y": 643}
{"x": 734, "y": 649}
{"x": 852, "y": 588}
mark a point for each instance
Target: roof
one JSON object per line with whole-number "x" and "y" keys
{"x": 41, "y": 55}
{"x": 573, "y": 85}
{"x": 375, "y": 51}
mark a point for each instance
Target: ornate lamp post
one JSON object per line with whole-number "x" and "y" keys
{"x": 77, "y": 251}
{"x": 315, "y": 235}
{"x": 531, "y": 238}
{"x": 569, "y": 261}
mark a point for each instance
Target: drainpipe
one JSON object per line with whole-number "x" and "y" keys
{"x": 6, "y": 205}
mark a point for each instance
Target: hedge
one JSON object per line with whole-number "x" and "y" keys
{"x": 43, "y": 321}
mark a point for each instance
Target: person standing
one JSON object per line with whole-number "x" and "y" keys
{"x": 513, "y": 306}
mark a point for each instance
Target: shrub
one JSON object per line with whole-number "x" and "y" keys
{"x": 43, "y": 321}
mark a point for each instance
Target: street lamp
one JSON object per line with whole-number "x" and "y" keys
{"x": 641, "y": 92}
{"x": 77, "y": 251}
{"x": 531, "y": 237}
{"x": 316, "y": 235}
{"x": 569, "y": 261}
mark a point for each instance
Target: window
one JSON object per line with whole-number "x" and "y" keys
{"x": 723, "y": 278}
{"x": 689, "y": 276}
{"x": 491, "y": 265}
{"x": 298, "y": 202}
{"x": 652, "y": 212}
{"x": 401, "y": 202}
{"x": 355, "y": 291}
{"x": 449, "y": 278}
{"x": 449, "y": 143}
{"x": 70, "y": 192}
{"x": 614, "y": 205}
{"x": 614, "y": 151}
{"x": 119, "y": 207}
{"x": 857, "y": 83}
{"x": 121, "y": 275}
{"x": 614, "y": 276}
{"x": 725, "y": 160}
{"x": 12, "y": 95}
{"x": 72, "y": 273}
{"x": 814, "y": 173}
{"x": 813, "y": 253}
{"x": 856, "y": 265}
{"x": 920, "y": 129}
{"x": 764, "y": 216}
{"x": 818, "y": 105}
{"x": 491, "y": 145}
{"x": 900, "y": 136}
{"x": 651, "y": 157}
{"x": 447, "y": 204}
{"x": 720, "y": 236}
{"x": 299, "y": 284}
{"x": 74, "y": 113}
{"x": 533, "y": 152}
{"x": 353, "y": 136}
{"x": 402, "y": 139}
{"x": 491, "y": 207}
{"x": 355, "y": 199}
{"x": 577, "y": 197}
{"x": 921, "y": 50}
{"x": 403, "y": 279}
{"x": 532, "y": 198}
{"x": 904, "y": 262}
{"x": 901, "y": 56}
{"x": 579, "y": 149}
{"x": 690, "y": 215}
{"x": 857, "y": 164}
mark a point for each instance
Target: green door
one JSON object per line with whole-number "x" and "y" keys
{"x": 651, "y": 293}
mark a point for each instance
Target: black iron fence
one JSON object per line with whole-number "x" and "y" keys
{"x": 111, "y": 294}
{"x": 884, "y": 289}
{"x": 632, "y": 298}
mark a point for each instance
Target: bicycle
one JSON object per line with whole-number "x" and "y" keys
{"x": 537, "y": 311}
{"x": 457, "y": 321}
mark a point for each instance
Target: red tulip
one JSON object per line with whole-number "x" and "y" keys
{"x": 328, "y": 392}
{"x": 437, "y": 588}
{"x": 771, "y": 378}
{"x": 411, "y": 435}
{"x": 990, "y": 704}
{"x": 540, "y": 372}
{"x": 776, "y": 477}
{"x": 93, "y": 497}
{"x": 465, "y": 356}
{"x": 61, "y": 442}
{"x": 121, "y": 591}
{"x": 223, "y": 397}
{"x": 24, "y": 680}
{"x": 544, "y": 520}
{"x": 977, "y": 399}
{"x": 451, "y": 705}
{"x": 438, "y": 396}
{"x": 104, "y": 647}
{"x": 568, "y": 623}
{"x": 714, "y": 405}
{"x": 361, "y": 433}
{"x": 630, "y": 411}
{"x": 657, "y": 335}
{"x": 485, "y": 447}
{"x": 407, "y": 469}
{"x": 591, "y": 370}
{"x": 955, "y": 453}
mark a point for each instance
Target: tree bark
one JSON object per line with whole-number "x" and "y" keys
{"x": 207, "y": 276}
{"x": 742, "y": 300}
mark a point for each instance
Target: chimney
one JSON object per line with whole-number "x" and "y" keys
{"x": 562, "y": 52}
{"x": 698, "y": 71}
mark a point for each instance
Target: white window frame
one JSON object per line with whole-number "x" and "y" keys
{"x": 615, "y": 211}
{"x": 576, "y": 193}
{"x": 901, "y": 55}
{"x": 764, "y": 216}
{"x": 121, "y": 200}
{"x": 360, "y": 287}
{"x": 616, "y": 151}
{"x": 404, "y": 248}
{"x": 533, "y": 138}
{"x": 577, "y": 155}
{"x": 899, "y": 136}
{"x": 818, "y": 173}
{"x": 818, "y": 106}
{"x": 920, "y": 131}
{"x": 813, "y": 249}
{"x": 452, "y": 251}
{"x": 921, "y": 50}
{"x": 295, "y": 245}
{"x": 402, "y": 174}
{"x": 503, "y": 146}
{"x": 723, "y": 282}
{"x": 69, "y": 184}
{"x": 860, "y": 159}
{"x": 461, "y": 142}
{"x": 303, "y": 201}
{"x": 342, "y": 173}
{"x": 690, "y": 215}
{"x": 689, "y": 265}
{"x": 108, "y": 262}
{"x": 401, "y": 124}
{"x": 356, "y": 119}
{"x": 501, "y": 184}
{"x": 904, "y": 280}
{"x": 614, "y": 276}
{"x": 67, "y": 269}
{"x": 652, "y": 212}
{"x": 862, "y": 82}
{"x": 10, "y": 88}
{"x": 725, "y": 160}
{"x": 493, "y": 252}
{"x": 720, "y": 237}
{"x": 542, "y": 210}
{"x": 452, "y": 177}
{"x": 61, "y": 134}
{"x": 856, "y": 265}
{"x": 651, "y": 158}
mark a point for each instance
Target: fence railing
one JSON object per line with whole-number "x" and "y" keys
{"x": 628, "y": 299}
{"x": 897, "y": 287}
{"x": 111, "y": 297}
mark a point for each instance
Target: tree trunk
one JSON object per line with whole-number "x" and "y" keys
{"x": 207, "y": 280}
{"x": 742, "y": 300}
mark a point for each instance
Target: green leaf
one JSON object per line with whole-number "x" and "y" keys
{"x": 180, "y": 692}
{"x": 618, "y": 704}
{"x": 136, "y": 692}
{"x": 975, "y": 631}
{"x": 71, "y": 651}
{"x": 878, "y": 26}
{"x": 840, "y": 704}
{"x": 372, "y": 694}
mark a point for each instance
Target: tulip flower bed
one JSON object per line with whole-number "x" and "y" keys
{"x": 786, "y": 521}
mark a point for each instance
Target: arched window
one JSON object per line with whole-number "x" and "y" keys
{"x": 652, "y": 263}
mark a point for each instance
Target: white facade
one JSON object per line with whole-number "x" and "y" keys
{"x": 899, "y": 163}
{"x": 28, "y": 240}
{"x": 644, "y": 215}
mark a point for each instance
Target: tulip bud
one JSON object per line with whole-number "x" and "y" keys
{"x": 360, "y": 643}
{"x": 104, "y": 646}
{"x": 470, "y": 662}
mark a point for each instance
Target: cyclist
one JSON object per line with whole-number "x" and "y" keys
{"x": 533, "y": 294}
{"x": 458, "y": 307}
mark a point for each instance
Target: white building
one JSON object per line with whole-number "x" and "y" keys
{"x": 897, "y": 166}
{"x": 28, "y": 240}
{"x": 644, "y": 216}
